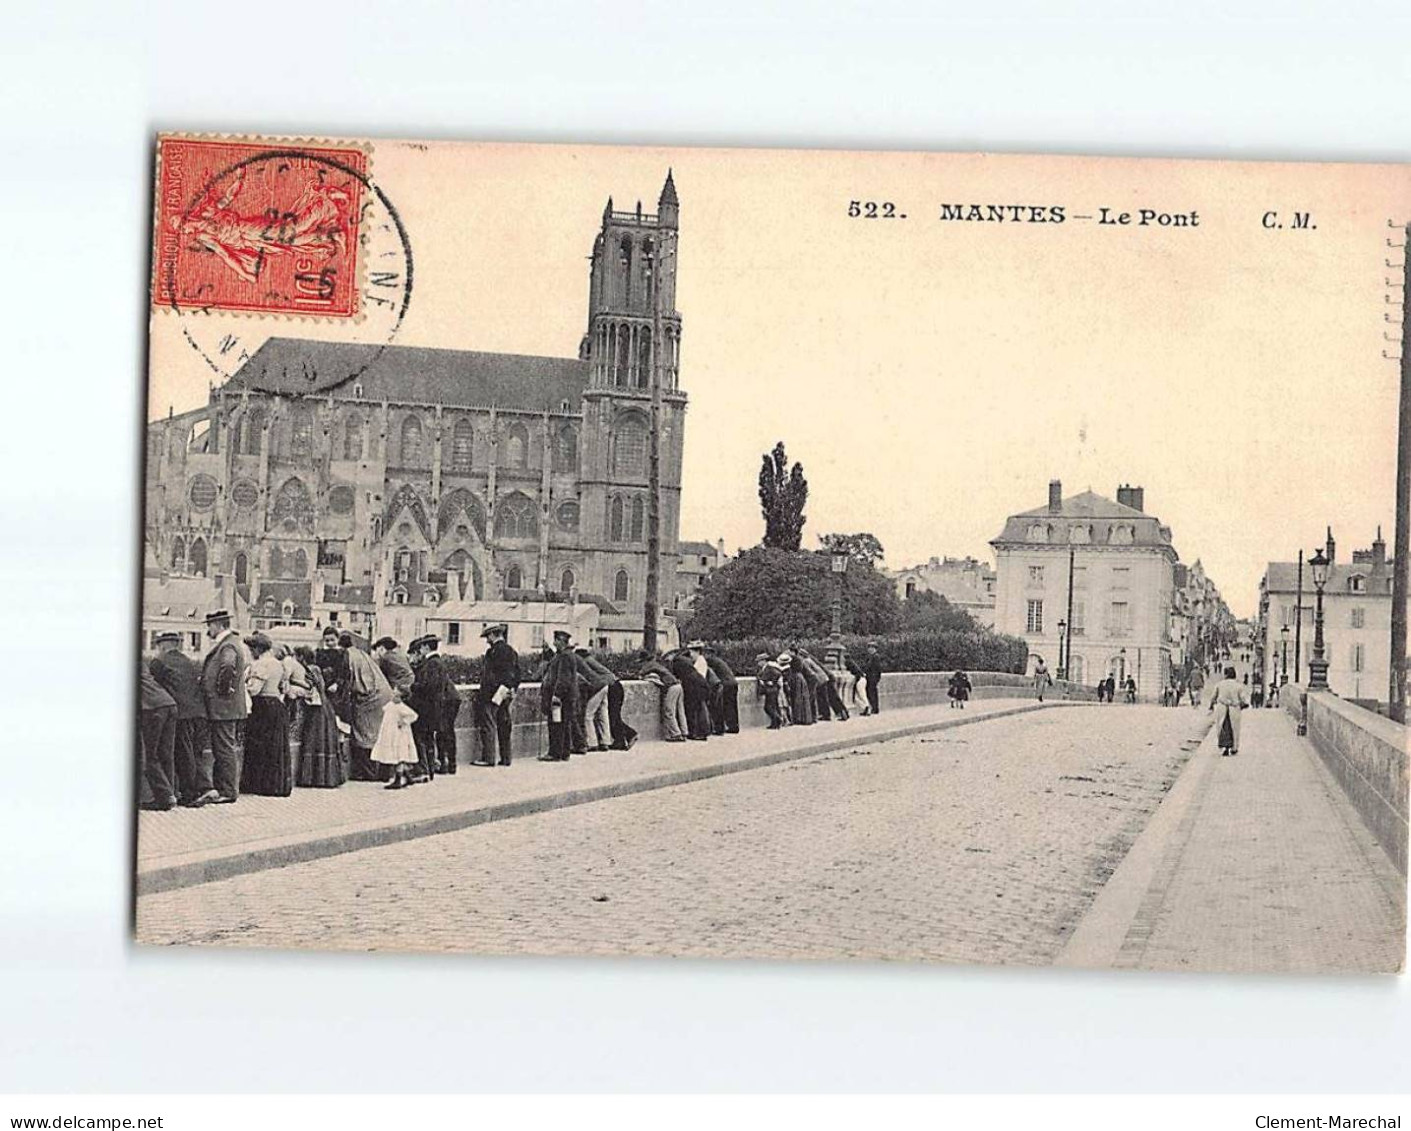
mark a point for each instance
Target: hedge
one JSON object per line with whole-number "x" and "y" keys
{"x": 940, "y": 651}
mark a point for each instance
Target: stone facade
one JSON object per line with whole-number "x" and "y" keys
{"x": 967, "y": 583}
{"x": 330, "y": 480}
{"x": 1123, "y": 585}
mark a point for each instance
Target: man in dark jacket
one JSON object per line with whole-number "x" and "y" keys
{"x": 498, "y": 679}
{"x": 651, "y": 669}
{"x": 725, "y": 695}
{"x": 179, "y": 675}
{"x": 427, "y": 698}
{"x": 696, "y": 693}
{"x": 154, "y": 741}
{"x": 559, "y": 696}
{"x": 227, "y": 705}
{"x": 872, "y": 672}
{"x": 394, "y": 664}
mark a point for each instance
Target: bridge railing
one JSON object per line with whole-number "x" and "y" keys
{"x": 1367, "y": 754}
{"x": 641, "y": 704}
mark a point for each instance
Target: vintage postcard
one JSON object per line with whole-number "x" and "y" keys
{"x": 578, "y": 550}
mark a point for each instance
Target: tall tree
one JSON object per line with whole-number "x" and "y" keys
{"x": 782, "y": 496}
{"x": 861, "y": 548}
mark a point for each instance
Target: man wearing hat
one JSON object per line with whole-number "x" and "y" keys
{"x": 498, "y": 679}
{"x": 594, "y": 709}
{"x": 181, "y": 678}
{"x": 430, "y": 699}
{"x": 769, "y": 676}
{"x": 558, "y": 697}
{"x": 673, "y": 715}
{"x": 227, "y": 704}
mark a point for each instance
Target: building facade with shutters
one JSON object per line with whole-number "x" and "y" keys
{"x": 324, "y": 478}
{"x": 1356, "y": 622}
{"x": 1122, "y": 563}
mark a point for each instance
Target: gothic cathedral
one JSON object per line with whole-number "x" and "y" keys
{"x": 327, "y": 480}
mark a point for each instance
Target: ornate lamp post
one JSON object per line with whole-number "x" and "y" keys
{"x": 835, "y": 643}
{"x": 1284, "y": 674}
{"x": 1062, "y": 661}
{"x": 1318, "y": 665}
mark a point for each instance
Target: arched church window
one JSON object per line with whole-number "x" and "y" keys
{"x": 252, "y": 429}
{"x": 638, "y": 516}
{"x": 567, "y": 582}
{"x": 411, "y": 442}
{"x": 196, "y": 558}
{"x": 178, "y": 554}
{"x": 516, "y": 517}
{"x": 353, "y": 437}
{"x": 462, "y": 445}
{"x": 276, "y": 562}
{"x": 292, "y": 506}
{"x": 624, "y": 356}
{"x": 621, "y": 586}
{"x": 242, "y": 568}
{"x": 644, "y": 358}
{"x": 301, "y": 432}
{"x": 629, "y": 448}
{"x": 566, "y": 449}
{"x": 517, "y": 446}
{"x": 616, "y": 521}
{"x": 648, "y": 267}
{"x": 624, "y": 264}
{"x": 514, "y": 578}
{"x": 568, "y": 515}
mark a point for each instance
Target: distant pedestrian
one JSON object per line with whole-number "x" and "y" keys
{"x": 227, "y": 704}
{"x": 803, "y": 707}
{"x": 266, "y": 770}
{"x": 769, "y": 679}
{"x": 725, "y": 695}
{"x": 559, "y": 695}
{"x": 367, "y": 693}
{"x": 872, "y": 671}
{"x": 322, "y": 760}
{"x": 596, "y": 725}
{"x": 695, "y": 690}
{"x": 395, "y": 746}
{"x": 1227, "y": 702}
{"x": 653, "y": 670}
{"x": 156, "y": 737}
{"x": 1131, "y": 688}
{"x": 181, "y": 679}
{"x": 855, "y": 688}
{"x": 960, "y": 688}
{"x": 1042, "y": 679}
{"x": 1197, "y": 686}
{"x": 499, "y": 677}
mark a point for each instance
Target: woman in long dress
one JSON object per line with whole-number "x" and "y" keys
{"x": 323, "y": 762}
{"x": 803, "y": 708}
{"x": 1227, "y": 702}
{"x": 266, "y": 770}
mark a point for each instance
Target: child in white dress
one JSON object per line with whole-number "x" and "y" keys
{"x": 394, "y": 746}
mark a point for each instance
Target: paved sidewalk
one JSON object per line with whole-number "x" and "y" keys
{"x": 1255, "y": 863}
{"x": 190, "y": 846}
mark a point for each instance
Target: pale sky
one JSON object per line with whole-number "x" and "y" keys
{"x": 934, "y": 376}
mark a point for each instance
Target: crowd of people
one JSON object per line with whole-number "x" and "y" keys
{"x": 253, "y": 716}
{"x": 257, "y": 717}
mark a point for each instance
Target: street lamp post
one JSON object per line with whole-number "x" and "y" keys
{"x": 835, "y": 642}
{"x": 1062, "y": 661}
{"x": 1284, "y": 636}
{"x": 1318, "y": 665}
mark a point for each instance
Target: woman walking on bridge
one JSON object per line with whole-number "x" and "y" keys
{"x": 1227, "y": 701}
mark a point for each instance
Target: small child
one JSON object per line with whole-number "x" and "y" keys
{"x": 394, "y": 746}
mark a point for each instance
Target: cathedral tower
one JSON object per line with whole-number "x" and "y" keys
{"x": 633, "y": 330}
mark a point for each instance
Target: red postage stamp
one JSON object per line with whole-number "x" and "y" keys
{"x": 258, "y": 227}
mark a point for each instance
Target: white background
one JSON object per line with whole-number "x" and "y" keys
{"x": 82, "y": 92}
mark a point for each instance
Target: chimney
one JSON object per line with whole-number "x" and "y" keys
{"x": 1379, "y": 554}
{"x": 1055, "y": 496}
{"x": 1138, "y": 498}
{"x": 1332, "y": 548}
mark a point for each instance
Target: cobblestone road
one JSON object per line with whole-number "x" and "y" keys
{"x": 983, "y": 844}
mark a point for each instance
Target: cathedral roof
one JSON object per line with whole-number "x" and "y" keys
{"x": 295, "y": 366}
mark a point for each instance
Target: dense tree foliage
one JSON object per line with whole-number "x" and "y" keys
{"x": 925, "y": 611}
{"x": 861, "y": 548}
{"x": 771, "y": 592}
